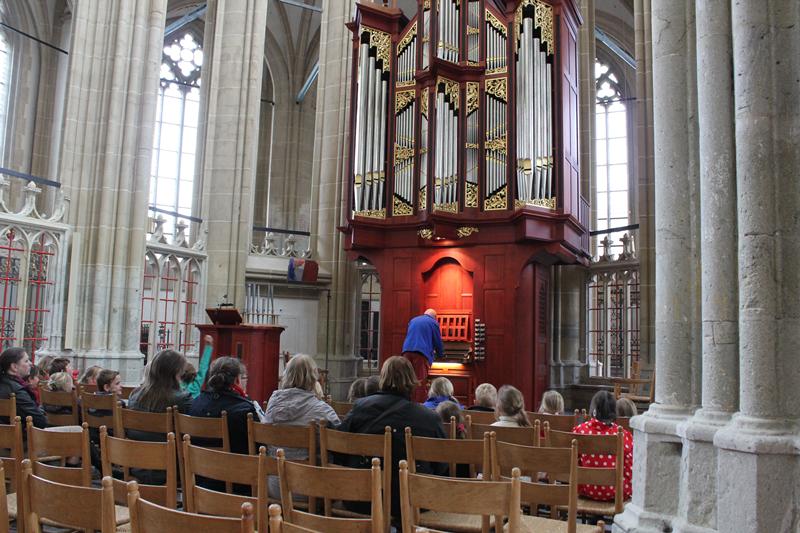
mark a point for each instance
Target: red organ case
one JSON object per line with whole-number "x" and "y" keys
{"x": 463, "y": 180}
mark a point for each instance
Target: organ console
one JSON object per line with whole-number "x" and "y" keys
{"x": 464, "y": 184}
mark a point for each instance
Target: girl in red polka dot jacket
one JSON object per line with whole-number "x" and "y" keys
{"x": 603, "y": 411}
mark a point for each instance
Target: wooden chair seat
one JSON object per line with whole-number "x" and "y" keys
{"x": 537, "y": 524}
{"x": 594, "y": 507}
{"x": 455, "y": 522}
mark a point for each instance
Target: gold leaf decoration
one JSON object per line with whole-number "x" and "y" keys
{"x": 451, "y": 207}
{"x": 422, "y": 198}
{"x": 382, "y": 42}
{"x": 497, "y": 201}
{"x": 426, "y": 233}
{"x": 472, "y": 96}
{"x": 544, "y": 21}
{"x": 494, "y": 21}
{"x": 498, "y": 88}
{"x": 547, "y": 203}
{"x": 401, "y": 153}
{"x": 402, "y": 99}
{"x": 426, "y": 4}
{"x": 407, "y": 38}
{"x": 498, "y": 144}
{"x": 401, "y": 208}
{"x": 466, "y": 231}
{"x": 450, "y": 90}
{"x": 371, "y": 213}
{"x": 471, "y": 195}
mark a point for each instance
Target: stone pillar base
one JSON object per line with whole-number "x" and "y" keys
{"x": 129, "y": 364}
{"x": 756, "y": 474}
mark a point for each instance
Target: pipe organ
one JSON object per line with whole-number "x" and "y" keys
{"x": 464, "y": 136}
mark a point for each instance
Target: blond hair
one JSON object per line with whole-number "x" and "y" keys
{"x": 626, "y": 408}
{"x": 300, "y": 373}
{"x": 486, "y": 395}
{"x": 552, "y": 403}
{"x": 60, "y": 381}
{"x": 397, "y": 376}
{"x": 441, "y": 387}
{"x": 511, "y": 403}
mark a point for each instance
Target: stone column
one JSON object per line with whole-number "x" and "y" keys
{"x": 586, "y": 43}
{"x": 234, "y": 47}
{"x": 657, "y": 450}
{"x": 758, "y": 453}
{"x": 337, "y": 329}
{"x": 114, "y": 63}
{"x": 719, "y": 273}
{"x": 569, "y": 358}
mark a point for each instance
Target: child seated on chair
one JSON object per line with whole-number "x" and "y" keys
{"x": 59, "y": 382}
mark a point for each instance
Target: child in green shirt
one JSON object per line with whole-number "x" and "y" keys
{"x": 192, "y": 379}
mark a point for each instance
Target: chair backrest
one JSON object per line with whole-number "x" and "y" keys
{"x": 8, "y": 408}
{"x": 281, "y": 436}
{"x": 277, "y": 525}
{"x": 529, "y": 436}
{"x": 126, "y": 391}
{"x": 4, "y": 521}
{"x": 61, "y": 399}
{"x": 472, "y": 452}
{"x": 200, "y": 427}
{"x": 99, "y": 410}
{"x": 473, "y": 497}
{"x": 144, "y": 455}
{"x": 557, "y": 422}
{"x": 481, "y": 417}
{"x": 624, "y": 422}
{"x": 350, "y": 484}
{"x": 87, "y": 387}
{"x": 342, "y": 408}
{"x": 67, "y": 505}
{"x": 11, "y": 440}
{"x": 63, "y": 444}
{"x": 595, "y": 444}
{"x": 534, "y": 462}
{"x": 362, "y": 445}
{"x": 131, "y": 419}
{"x": 230, "y": 468}
{"x": 148, "y": 517}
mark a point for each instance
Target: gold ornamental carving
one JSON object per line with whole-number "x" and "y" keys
{"x": 498, "y": 25}
{"x": 423, "y": 196}
{"x": 497, "y": 201}
{"x": 473, "y": 92}
{"x": 426, "y": 4}
{"x": 544, "y": 21}
{"x": 466, "y": 231}
{"x": 547, "y": 203}
{"x": 371, "y": 213}
{"x": 402, "y": 99}
{"x": 423, "y": 102}
{"x": 471, "y": 195}
{"x": 498, "y": 88}
{"x": 382, "y": 42}
{"x": 498, "y": 144}
{"x": 426, "y": 233}
{"x": 406, "y": 40}
{"x": 450, "y": 207}
{"x": 450, "y": 90}
{"x": 401, "y": 208}
{"x": 401, "y": 153}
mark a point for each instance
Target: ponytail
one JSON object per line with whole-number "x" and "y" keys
{"x": 511, "y": 403}
{"x": 223, "y": 373}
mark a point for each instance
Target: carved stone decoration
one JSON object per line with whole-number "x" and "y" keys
{"x": 202, "y": 238}
{"x": 628, "y": 248}
{"x": 179, "y": 237}
{"x": 158, "y": 231}
{"x": 606, "y": 245}
{"x": 425, "y": 233}
{"x": 289, "y": 246}
{"x": 497, "y": 201}
{"x": 466, "y": 231}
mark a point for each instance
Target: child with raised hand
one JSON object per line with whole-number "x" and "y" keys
{"x": 192, "y": 379}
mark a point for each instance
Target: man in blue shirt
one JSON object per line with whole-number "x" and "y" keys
{"x": 423, "y": 342}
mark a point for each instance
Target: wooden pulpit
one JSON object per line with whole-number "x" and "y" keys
{"x": 256, "y": 345}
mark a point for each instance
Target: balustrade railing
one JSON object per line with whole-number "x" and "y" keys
{"x": 276, "y": 242}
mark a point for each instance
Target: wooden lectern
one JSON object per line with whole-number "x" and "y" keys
{"x": 256, "y": 345}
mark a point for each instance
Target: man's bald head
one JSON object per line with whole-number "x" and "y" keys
{"x": 431, "y": 313}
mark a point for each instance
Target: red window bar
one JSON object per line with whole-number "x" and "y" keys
{"x": 9, "y": 278}
{"x": 597, "y": 347}
{"x": 634, "y": 301}
{"x": 616, "y": 327}
{"x": 39, "y": 285}
{"x": 189, "y": 304}
{"x": 148, "y": 304}
{"x": 167, "y": 302}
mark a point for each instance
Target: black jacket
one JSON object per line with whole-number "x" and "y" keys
{"x": 210, "y": 404}
{"x": 26, "y": 405}
{"x": 180, "y": 398}
{"x": 373, "y": 413}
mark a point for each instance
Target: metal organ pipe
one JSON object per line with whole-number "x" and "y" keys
{"x": 369, "y": 138}
{"x": 380, "y": 148}
{"x": 361, "y": 129}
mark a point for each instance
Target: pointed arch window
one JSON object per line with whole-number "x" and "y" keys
{"x": 611, "y": 173}
{"x": 5, "y": 79}
{"x": 175, "y": 139}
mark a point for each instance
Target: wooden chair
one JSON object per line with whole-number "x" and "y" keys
{"x": 342, "y": 408}
{"x": 61, "y": 399}
{"x": 461, "y": 497}
{"x": 362, "y": 445}
{"x": 201, "y": 428}
{"x": 595, "y": 444}
{"x": 8, "y": 409}
{"x": 230, "y": 468}
{"x": 145, "y": 455}
{"x": 126, "y": 391}
{"x": 637, "y": 389}
{"x": 108, "y": 404}
{"x": 65, "y": 505}
{"x": 281, "y": 436}
{"x": 62, "y": 445}
{"x": 524, "y": 436}
{"x": 451, "y": 428}
{"x": 147, "y": 517}
{"x": 481, "y": 417}
{"x": 624, "y": 422}
{"x": 130, "y": 419}
{"x": 5, "y": 521}
{"x": 557, "y": 422}
{"x": 555, "y": 462}
{"x": 277, "y": 525}
{"x": 88, "y": 388}
{"x": 349, "y": 484}
{"x": 11, "y": 440}
{"x": 472, "y": 452}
